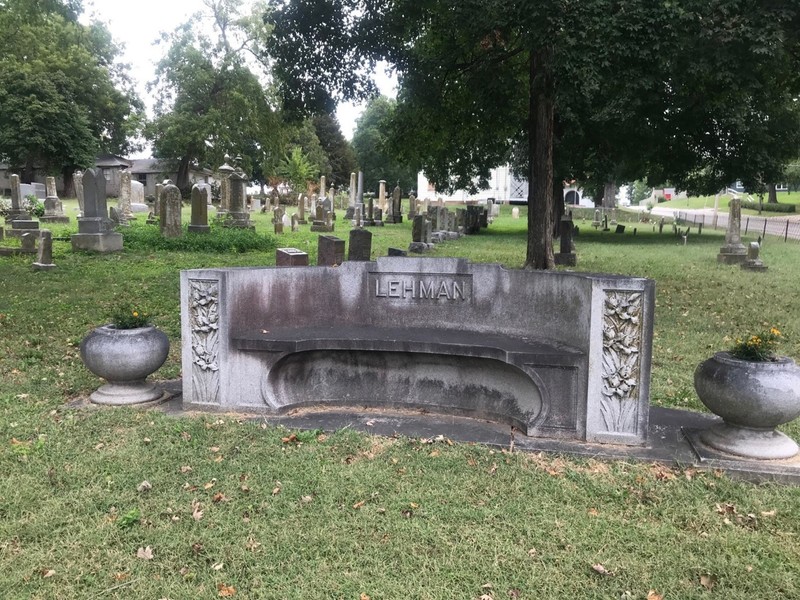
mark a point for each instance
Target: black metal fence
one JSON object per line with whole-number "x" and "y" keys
{"x": 786, "y": 228}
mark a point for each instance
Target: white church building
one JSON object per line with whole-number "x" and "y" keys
{"x": 504, "y": 188}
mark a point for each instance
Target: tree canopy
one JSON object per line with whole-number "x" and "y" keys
{"x": 209, "y": 102}
{"x": 693, "y": 91}
{"x": 370, "y": 142}
{"x": 64, "y": 98}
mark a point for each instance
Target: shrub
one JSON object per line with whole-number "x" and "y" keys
{"x": 769, "y": 206}
{"x": 219, "y": 240}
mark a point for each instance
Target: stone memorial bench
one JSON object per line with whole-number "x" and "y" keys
{"x": 553, "y": 354}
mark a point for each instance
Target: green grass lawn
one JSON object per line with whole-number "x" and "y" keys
{"x": 236, "y": 511}
{"x": 696, "y": 202}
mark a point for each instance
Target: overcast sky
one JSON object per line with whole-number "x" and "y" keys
{"x": 138, "y": 24}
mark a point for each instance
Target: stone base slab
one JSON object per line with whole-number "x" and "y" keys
{"x": 567, "y": 259}
{"x": 97, "y": 242}
{"x": 54, "y": 219}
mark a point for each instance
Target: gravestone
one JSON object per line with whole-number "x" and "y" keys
{"x": 53, "y": 208}
{"x": 17, "y": 217}
{"x": 138, "y": 203}
{"x": 290, "y": 257}
{"x": 412, "y": 207}
{"x": 352, "y": 199}
{"x": 605, "y": 223}
{"x": 733, "y": 252}
{"x": 199, "y": 218}
{"x": 295, "y": 223}
{"x": 515, "y": 213}
{"x": 382, "y": 194}
{"x": 301, "y": 207}
{"x": 39, "y": 190}
{"x": 565, "y": 256}
{"x": 360, "y": 245}
{"x": 330, "y": 251}
{"x": 358, "y": 220}
{"x": 661, "y": 225}
{"x": 237, "y": 215}
{"x": 472, "y": 224}
{"x": 396, "y": 209}
{"x": 277, "y": 218}
{"x": 124, "y": 200}
{"x": 77, "y": 181}
{"x": 753, "y": 262}
{"x": 28, "y": 242}
{"x": 360, "y": 192}
{"x": 95, "y": 230}
{"x": 157, "y": 201}
{"x": 116, "y": 216}
{"x": 44, "y": 260}
{"x": 396, "y": 252}
{"x": 170, "y": 218}
{"x": 255, "y": 204}
{"x": 620, "y": 229}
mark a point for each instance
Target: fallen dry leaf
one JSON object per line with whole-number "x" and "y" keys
{"x": 145, "y": 553}
{"x": 598, "y": 568}
{"x": 276, "y": 491}
{"x": 434, "y": 454}
{"x": 186, "y": 469}
{"x": 218, "y": 458}
{"x": 291, "y": 439}
{"x": 359, "y": 504}
{"x": 208, "y": 485}
{"x": 652, "y": 595}
{"x": 186, "y": 435}
{"x": 252, "y": 544}
{"x": 306, "y": 499}
{"x": 121, "y": 576}
{"x": 493, "y": 470}
{"x": 708, "y": 581}
{"x": 593, "y": 512}
{"x": 768, "y": 513}
{"x": 225, "y": 591}
{"x": 214, "y": 449}
{"x": 197, "y": 510}
{"x": 219, "y": 497}
{"x": 145, "y": 486}
{"x": 218, "y": 566}
{"x": 363, "y": 596}
{"x": 46, "y": 573}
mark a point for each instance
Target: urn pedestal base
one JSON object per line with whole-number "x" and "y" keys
{"x": 762, "y": 444}
{"x": 128, "y": 393}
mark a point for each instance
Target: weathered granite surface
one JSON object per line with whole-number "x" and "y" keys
{"x": 554, "y": 354}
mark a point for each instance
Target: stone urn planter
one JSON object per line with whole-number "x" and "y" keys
{"x": 752, "y": 397}
{"x": 125, "y": 357}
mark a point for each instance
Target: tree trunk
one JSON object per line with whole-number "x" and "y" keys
{"x": 66, "y": 175}
{"x": 610, "y": 195}
{"x": 558, "y": 204}
{"x": 540, "y": 171}
{"x": 773, "y": 194}
{"x": 27, "y": 172}
{"x": 183, "y": 173}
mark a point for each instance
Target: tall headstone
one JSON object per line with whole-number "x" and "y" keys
{"x": 53, "y": 208}
{"x": 124, "y": 201}
{"x": 170, "y": 218}
{"x": 360, "y": 198}
{"x": 199, "y": 222}
{"x": 360, "y": 245}
{"x": 565, "y": 255}
{"x": 301, "y": 210}
{"x": 277, "y": 218}
{"x": 44, "y": 261}
{"x": 382, "y": 194}
{"x": 395, "y": 214}
{"x": 77, "y": 181}
{"x": 733, "y": 252}
{"x": 330, "y": 251}
{"x": 412, "y": 207}
{"x": 352, "y": 199}
{"x": 157, "y": 201}
{"x": 137, "y": 197}
{"x": 295, "y": 223}
{"x": 95, "y": 230}
{"x": 322, "y": 188}
{"x": 418, "y": 243}
{"x": 237, "y": 215}
{"x": 16, "y": 212}
{"x": 225, "y": 171}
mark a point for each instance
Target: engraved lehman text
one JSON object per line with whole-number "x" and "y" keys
{"x": 422, "y": 288}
